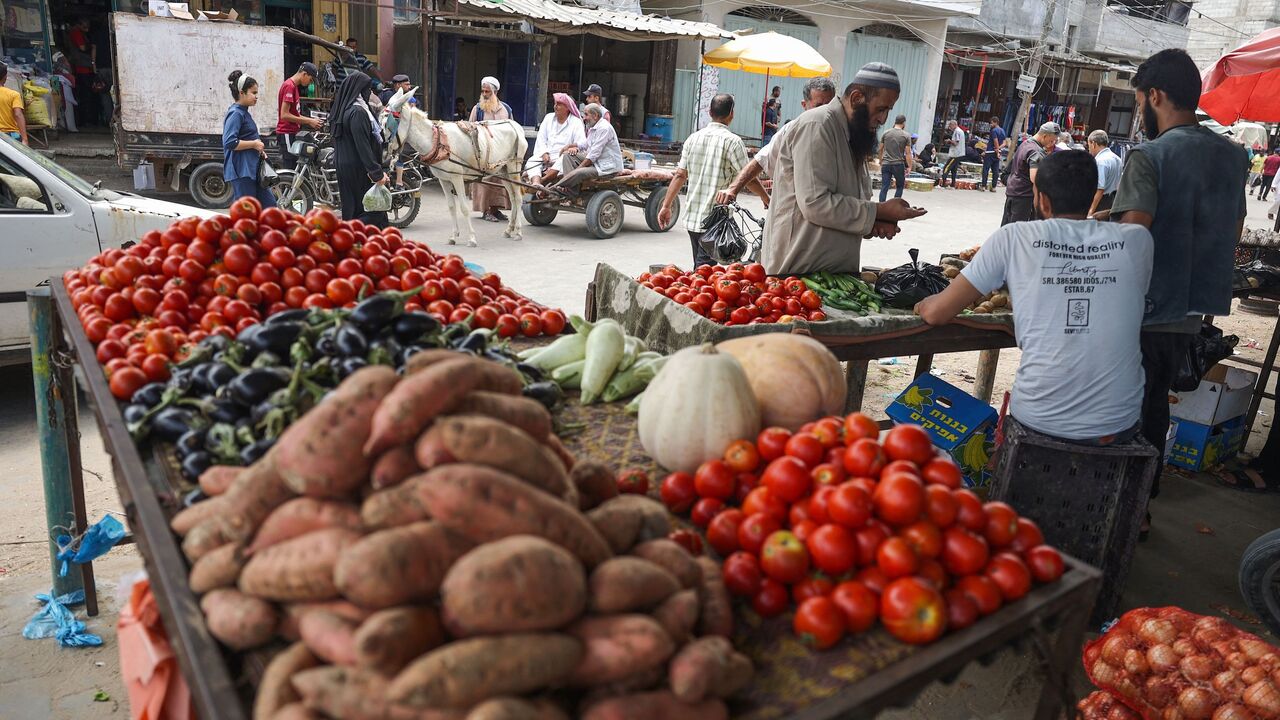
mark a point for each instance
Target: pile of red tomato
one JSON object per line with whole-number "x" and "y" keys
{"x": 738, "y": 294}
{"x": 854, "y": 530}
{"x": 143, "y": 307}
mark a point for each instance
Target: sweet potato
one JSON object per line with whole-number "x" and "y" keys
{"x": 484, "y": 504}
{"x": 300, "y": 569}
{"x": 566, "y": 458}
{"x": 395, "y": 506}
{"x": 630, "y": 519}
{"x": 424, "y": 359}
{"x": 596, "y": 483}
{"x": 188, "y": 518}
{"x": 435, "y": 390}
{"x": 656, "y": 705}
{"x": 623, "y": 584}
{"x": 294, "y": 612}
{"x": 392, "y": 638}
{"x": 525, "y": 413}
{"x": 678, "y": 614}
{"x": 648, "y": 679}
{"x": 302, "y": 515}
{"x": 237, "y": 620}
{"x": 708, "y": 668}
{"x": 673, "y": 558}
{"x": 294, "y": 711}
{"x": 398, "y": 566}
{"x": 715, "y": 616}
{"x": 510, "y": 708}
{"x": 486, "y": 441}
{"x": 348, "y": 693}
{"x": 246, "y": 504}
{"x": 330, "y": 637}
{"x": 217, "y": 479}
{"x": 275, "y": 692}
{"x": 219, "y": 568}
{"x": 618, "y": 647}
{"x": 321, "y": 455}
{"x": 394, "y": 467}
{"x": 517, "y": 584}
{"x": 469, "y": 671}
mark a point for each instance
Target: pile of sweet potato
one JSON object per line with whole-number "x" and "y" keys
{"x": 431, "y": 550}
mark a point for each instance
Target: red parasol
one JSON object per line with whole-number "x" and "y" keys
{"x": 1245, "y": 83}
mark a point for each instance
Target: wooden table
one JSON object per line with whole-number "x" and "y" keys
{"x": 861, "y": 677}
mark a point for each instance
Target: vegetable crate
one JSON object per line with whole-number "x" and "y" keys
{"x": 959, "y": 423}
{"x": 1088, "y": 501}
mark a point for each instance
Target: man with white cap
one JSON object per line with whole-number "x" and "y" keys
{"x": 490, "y": 200}
{"x": 821, "y": 207}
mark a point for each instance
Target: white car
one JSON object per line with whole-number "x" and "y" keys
{"x": 51, "y": 220}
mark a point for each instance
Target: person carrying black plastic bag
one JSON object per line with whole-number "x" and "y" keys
{"x": 357, "y": 140}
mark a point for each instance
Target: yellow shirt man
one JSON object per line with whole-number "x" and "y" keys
{"x": 11, "y": 111}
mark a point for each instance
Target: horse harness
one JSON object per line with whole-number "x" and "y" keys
{"x": 441, "y": 151}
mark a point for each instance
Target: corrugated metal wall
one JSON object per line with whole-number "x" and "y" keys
{"x": 682, "y": 103}
{"x": 910, "y": 58}
{"x": 749, "y": 89}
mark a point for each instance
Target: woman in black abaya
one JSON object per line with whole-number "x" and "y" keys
{"x": 357, "y": 140}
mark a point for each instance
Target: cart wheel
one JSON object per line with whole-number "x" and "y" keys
{"x": 1260, "y": 579}
{"x": 604, "y": 214}
{"x": 654, "y": 204}
{"x": 208, "y": 188}
{"x": 538, "y": 213}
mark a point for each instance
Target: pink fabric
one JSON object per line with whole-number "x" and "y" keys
{"x": 1245, "y": 83}
{"x": 568, "y": 102}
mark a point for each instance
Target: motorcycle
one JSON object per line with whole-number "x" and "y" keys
{"x": 314, "y": 180}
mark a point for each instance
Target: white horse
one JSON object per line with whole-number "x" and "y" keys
{"x": 496, "y": 151}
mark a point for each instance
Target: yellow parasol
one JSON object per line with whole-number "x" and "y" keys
{"x": 771, "y": 54}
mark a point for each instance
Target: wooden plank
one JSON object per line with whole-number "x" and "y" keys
{"x": 985, "y": 377}
{"x": 855, "y": 375}
{"x": 200, "y": 658}
{"x": 945, "y": 339}
{"x": 659, "y": 97}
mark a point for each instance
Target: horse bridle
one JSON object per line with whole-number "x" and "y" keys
{"x": 440, "y": 150}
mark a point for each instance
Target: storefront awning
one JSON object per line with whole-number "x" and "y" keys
{"x": 564, "y": 19}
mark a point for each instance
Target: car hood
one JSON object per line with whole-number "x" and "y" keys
{"x": 126, "y": 218}
{"x": 150, "y": 206}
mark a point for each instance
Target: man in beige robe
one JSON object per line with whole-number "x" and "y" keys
{"x": 821, "y": 207}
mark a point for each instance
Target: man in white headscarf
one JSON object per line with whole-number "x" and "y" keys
{"x": 489, "y": 199}
{"x": 560, "y": 133}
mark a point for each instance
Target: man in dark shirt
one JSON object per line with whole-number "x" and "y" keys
{"x": 1270, "y": 167}
{"x": 1172, "y": 185}
{"x": 992, "y": 154}
{"x": 1020, "y": 190}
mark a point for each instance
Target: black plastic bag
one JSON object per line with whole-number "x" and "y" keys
{"x": 1206, "y": 349}
{"x": 904, "y": 286}
{"x": 722, "y": 238}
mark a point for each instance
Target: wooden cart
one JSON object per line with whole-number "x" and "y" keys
{"x": 603, "y": 201}
{"x": 863, "y": 676}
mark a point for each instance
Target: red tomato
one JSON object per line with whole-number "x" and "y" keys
{"x": 858, "y": 426}
{"x": 924, "y": 538}
{"x": 858, "y": 603}
{"x": 146, "y": 300}
{"x": 486, "y": 317}
{"x": 771, "y": 600}
{"x": 715, "y": 479}
{"x": 239, "y": 259}
{"x": 322, "y": 220}
{"x": 899, "y": 500}
{"x": 827, "y": 475}
{"x": 1009, "y": 574}
{"x": 969, "y": 512}
{"x": 896, "y": 559}
{"x": 819, "y": 505}
{"x": 816, "y": 585}
{"x": 754, "y": 272}
{"x": 125, "y": 381}
{"x": 247, "y": 207}
{"x": 191, "y": 271}
{"x": 210, "y": 229}
{"x": 804, "y": 529}
{"x": 864, "y": 458}
{"x": 741, "y": 456}
{"x": 706, "y": 509}
{"x": 118, "y": 308}
{"x": 819, "y": 623}
{"x": 828, "y": 431}
{"x": 963, "y": 553}
{"x": 728, "y": 290}
{"x": 97, "y": 329}
{"x": 340, "y": 291}
{"x": 1027, "y": 537}
{"x": 678, "y": 492}
{"x": 633, "y": 481}
{"x": 552, "y": 322}
{"x": 110, "y": 349}
{"x": 722, "y": 531}
{"x": 161, "y": 342}
{"x": 913, "y": 611}
{"x": 294, "y": 296}
{"x": 872, "y": 578}
{"x": 787, "y": 479}
{"x": 1045, "y": 563}
{"x": 961, "y": 610}
{"x": 264, "y": 272}
{"x": 943, "y": 471}
{"x": 760, "y": 500}
{"x": 909, "y": 442}
{"x": 772, "y": 443}
{"x": 281, "y": 258}
{"x": 850, "y": 506}
{"x": 901, "y": 467}
{"x": 272, "y": 217}
{"x": 156, "y": 368}
{"x": 833, "y": 549}
{"x": 932, "y": 571}
{"x": 1002, "y": 524}
{"x": 783, "y": 557}
{"x": 508, "y": 324}
{"x": 807, "y": 448}
{"x": 741, "y": 574}
{"x": 687, "y": 539}
{"x": 316, "y": 300}
{"x": 755, "y": 529}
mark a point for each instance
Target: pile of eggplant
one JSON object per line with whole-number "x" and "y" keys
{"x": 229, "y": 401}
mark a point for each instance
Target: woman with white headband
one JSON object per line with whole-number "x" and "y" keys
{"x": 242, "y": 148}
{"x": 489, "y": 199}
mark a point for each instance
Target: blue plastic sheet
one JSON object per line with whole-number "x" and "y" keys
{"x": 56, "y": 620}
{"x": 99, "y": 538}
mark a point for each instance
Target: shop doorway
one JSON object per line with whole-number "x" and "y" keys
{"x": 463, "y": 61}
{"x": 295, "y": 14}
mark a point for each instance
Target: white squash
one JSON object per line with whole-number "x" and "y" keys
{"x": 796, "y": 379}
{"x": 699, "y": 403}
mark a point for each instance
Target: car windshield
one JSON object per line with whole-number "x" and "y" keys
{"x": 75, "y": 182}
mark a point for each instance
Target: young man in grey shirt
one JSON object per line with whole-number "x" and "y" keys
{"x": 895, "y": 157}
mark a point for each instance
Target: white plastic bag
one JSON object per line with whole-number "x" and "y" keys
{"x": 378, "y": 199}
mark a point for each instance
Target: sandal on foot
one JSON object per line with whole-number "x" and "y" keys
{"x": 1247, "y": 479}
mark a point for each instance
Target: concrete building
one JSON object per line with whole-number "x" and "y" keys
{"x": 1219, "y": 26}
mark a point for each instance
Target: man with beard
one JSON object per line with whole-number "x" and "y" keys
{"x": 821, "y": 208}
{"x": 602, "y": 156}
{"x": 1174, "y": 185}
{"x": 1020, "y": 188}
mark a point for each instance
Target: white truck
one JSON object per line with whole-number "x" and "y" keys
{"x": 51, "y": 220}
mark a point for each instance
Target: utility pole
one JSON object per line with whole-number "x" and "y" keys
{"x": 1033, "y": 68}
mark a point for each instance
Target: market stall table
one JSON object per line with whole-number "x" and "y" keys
{"x": 862, "y": 676}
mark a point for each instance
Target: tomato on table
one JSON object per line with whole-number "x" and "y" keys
{"x": 755, "y": 529}
{"x": 772, "y": 443}
{"x": 833, "y": 549}
{"x": 633, "y": 481}
{"x": 909, "y": 442}
{"x": 771, "y": 600}
{"x": 913, "y": 611}
{"x": 819, "y": 622}
{"x": 678, "y": 492}
{"x": 705, "y": 510}
{"x": 784, "y": 558}
{"x": 787, "y": 478}
{"x": 741, "y": 574}
{"x": 859, "y": 604}
{"x": 1045, "y": 563}
{"x": 722, "y": 531}
{"x": 715, "y": 479}
{"x": 963, "y": 552}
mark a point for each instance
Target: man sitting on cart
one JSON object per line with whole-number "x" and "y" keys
{"x": 560, "y": 134}
{"x": 601, "y": 159}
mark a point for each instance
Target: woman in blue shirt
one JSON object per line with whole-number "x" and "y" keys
{"x": 242, "y": 150}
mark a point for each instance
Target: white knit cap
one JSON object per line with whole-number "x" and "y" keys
{"x": 491, "y": 82}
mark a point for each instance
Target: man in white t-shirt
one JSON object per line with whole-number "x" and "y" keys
{"x": 1078, "y": 289}
{"x": 955, "y": 152}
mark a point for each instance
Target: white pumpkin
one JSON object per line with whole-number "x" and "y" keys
{"x": 699, "y": 403}
{"x": 796, "y": 379}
